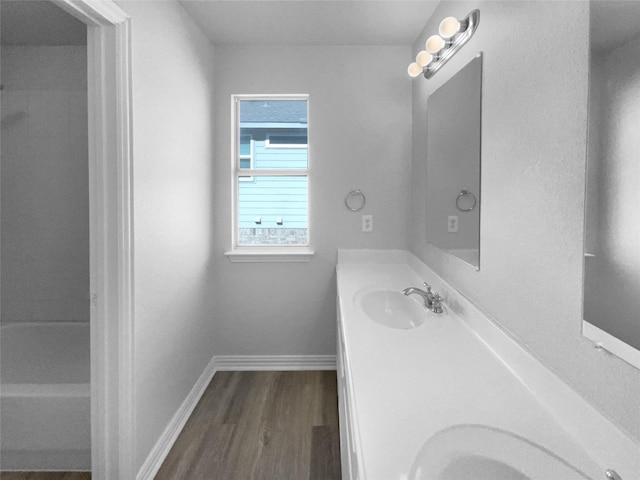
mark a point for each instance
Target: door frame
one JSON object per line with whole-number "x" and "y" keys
{"x": 111, "y": 236}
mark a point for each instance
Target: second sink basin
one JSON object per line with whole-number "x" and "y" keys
{"x": 391, "y": 308}
{"x": 470, "y": 452}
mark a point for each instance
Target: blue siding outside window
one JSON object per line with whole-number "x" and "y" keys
{"x": 273, "y": 198}
{"x": 279, "y": 157}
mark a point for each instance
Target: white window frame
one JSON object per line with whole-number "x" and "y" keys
{"x": 264, "y": 253}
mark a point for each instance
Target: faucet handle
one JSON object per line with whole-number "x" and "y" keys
{"x": 427, "y": 286}
{"x": 436, "y": 303}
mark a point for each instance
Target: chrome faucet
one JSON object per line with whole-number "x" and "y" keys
{"x": 431, "y": 299}
{"x": 427, "y": 295}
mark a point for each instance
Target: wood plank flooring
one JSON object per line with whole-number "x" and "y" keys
{"x": 260, "y": 426}
{"x": 251, "y": 426}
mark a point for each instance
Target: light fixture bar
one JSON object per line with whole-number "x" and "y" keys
{"x": 450, "y": 47}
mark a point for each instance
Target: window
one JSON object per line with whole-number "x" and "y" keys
{"x": 270, "y": 171}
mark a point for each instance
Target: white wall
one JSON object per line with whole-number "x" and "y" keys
{"x": 534, "y": 123}
{"x": 173, "y": 198}
{"x": 45, "y": 192}
{"x": 360, "y": 137}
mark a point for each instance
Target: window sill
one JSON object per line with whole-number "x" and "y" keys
{"x": 270, "y": 255}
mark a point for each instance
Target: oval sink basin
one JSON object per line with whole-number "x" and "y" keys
{"x": 391, "y": 308}
{"x": 471, "y": 452}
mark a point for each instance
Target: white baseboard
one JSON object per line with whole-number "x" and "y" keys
{"x": 162, "y": 447}
{"x": 276, "y": 362}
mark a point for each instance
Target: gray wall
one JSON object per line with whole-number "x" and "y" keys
{"x": 360, "y": 136}
{"x": 534, "y": 124}
{"x": 45, "y": 192}
{"x": 173, "y": 211}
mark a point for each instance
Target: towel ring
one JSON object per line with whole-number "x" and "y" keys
{"x": 355, "y": 200}
{"x": 460, "y": 200}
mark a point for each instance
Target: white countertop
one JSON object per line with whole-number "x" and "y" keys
{"x": 407, "y": 385}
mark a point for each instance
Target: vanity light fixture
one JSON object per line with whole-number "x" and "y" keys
{"x": 453, "y": 34}
{"x": 434, "y": 44}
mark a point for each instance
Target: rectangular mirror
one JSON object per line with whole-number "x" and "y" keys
{"x": 611, "y": 304}
{"x": 453, "y": 164}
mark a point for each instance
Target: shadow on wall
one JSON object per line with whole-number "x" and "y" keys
{"x": 45, "y": 193}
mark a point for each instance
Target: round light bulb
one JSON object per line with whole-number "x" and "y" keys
{"x": 449, "y": 27}
{"x": 423, "y": 58}
{"x": 414, "y": 70}
{"x": 434, "y": 44}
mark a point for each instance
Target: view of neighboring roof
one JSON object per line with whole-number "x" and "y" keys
{"x": 273, "y": 111}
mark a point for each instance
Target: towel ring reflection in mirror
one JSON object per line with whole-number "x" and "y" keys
{"x": 466, "y": 201}
{"x": 355, "y": 200}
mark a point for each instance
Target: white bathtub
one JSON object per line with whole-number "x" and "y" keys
{"x": 455, "y": 397}
{"x": 45, "y": 396}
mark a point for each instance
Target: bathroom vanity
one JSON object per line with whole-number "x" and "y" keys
{"x": 452, "y": 395}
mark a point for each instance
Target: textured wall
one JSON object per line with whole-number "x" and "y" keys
{"x": 360, "y": 137}
{"x": 534, "y": 123}
{"x": 45, "y": 192}
{"x": 172, "y": 189}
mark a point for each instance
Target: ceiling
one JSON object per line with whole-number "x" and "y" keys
{"x": 36, "y": 22}
{"x": 311, "y": 22}
{"x": 294, "y": 22}
{"x": 245, "y": 22}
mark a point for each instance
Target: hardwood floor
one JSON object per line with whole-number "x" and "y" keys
{"x": 251, "y": 426}
{"x": 262, "y": 426}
